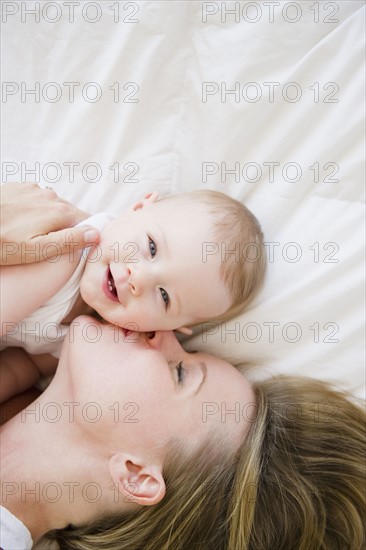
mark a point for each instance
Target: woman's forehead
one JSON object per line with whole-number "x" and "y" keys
{"x": 224, "y": 372}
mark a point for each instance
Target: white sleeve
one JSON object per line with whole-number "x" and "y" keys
{"x": 13, "y": 533}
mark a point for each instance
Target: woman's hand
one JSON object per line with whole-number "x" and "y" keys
{"x": 36, "y": 224}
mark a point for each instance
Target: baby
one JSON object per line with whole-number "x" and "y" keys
{"x": 164, "y": 264}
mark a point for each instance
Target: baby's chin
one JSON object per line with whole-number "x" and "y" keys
{"x": 135, "y": 326}
{"x": 120, "y": 323}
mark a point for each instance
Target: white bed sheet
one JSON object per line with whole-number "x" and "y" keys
{"x": 181, "y": 134}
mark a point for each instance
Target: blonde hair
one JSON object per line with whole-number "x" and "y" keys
{"x": 297, "y": 481}
{"x": 302, "y": 483}
{"x": 236, "y": 233}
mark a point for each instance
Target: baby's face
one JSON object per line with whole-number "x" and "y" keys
{"x": 153, "y": 271}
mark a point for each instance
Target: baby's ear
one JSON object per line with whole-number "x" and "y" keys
{"x": 185, "y": 330}
{"x": 148, "y": 199}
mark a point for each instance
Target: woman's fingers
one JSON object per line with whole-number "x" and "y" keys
{"x": 65, "y": 241}
{"x": 37, "y": 225}
{"x": 50, "y": 246}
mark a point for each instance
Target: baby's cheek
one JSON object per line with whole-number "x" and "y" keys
{"x": 84, "y": 289}
{"x": 86, "y": 282}
{"x": 120, "y": 317}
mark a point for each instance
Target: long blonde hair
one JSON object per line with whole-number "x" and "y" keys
{"x": 296, "y": 482}
{"x": 306, "y": 486}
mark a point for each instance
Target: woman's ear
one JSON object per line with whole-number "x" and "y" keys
{"x": 139, "y": 483}
{"x": 148, "y": 199}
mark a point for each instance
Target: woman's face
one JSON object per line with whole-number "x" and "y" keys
{"x": 143, "y": 391}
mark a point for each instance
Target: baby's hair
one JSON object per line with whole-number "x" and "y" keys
{"x": 238, "y": 238}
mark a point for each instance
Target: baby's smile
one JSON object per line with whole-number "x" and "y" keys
{"x": 109, "y": 286}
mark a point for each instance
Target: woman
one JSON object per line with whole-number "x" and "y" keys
{"x": 138, "y": 444}
{"x": 119, "y": 445}
{"x": 128, "y": 404}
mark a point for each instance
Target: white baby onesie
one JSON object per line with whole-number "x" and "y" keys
{"x": 42, "y": 331}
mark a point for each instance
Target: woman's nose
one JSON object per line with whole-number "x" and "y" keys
{"x": 164, "y": 341}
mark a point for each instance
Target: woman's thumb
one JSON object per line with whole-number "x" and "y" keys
{"x": 67, "y": 240}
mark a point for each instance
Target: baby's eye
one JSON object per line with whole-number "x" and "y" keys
{"x": 181, "y": 373}
{"x": 152, "y": 247}
{"x": 165, "y": 297}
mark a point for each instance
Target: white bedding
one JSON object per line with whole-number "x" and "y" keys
{"x": 177, "y": 60}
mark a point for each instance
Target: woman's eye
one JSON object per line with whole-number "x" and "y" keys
{"x": 180, "y": 372}
{"x": 152, "y": 247}
{"x": 165, "y": 297}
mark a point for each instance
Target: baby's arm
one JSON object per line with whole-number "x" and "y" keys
{"x": 18, "y": 372}
{"x": 24, "y": 288}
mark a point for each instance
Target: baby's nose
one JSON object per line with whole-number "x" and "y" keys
{"x": 137, "y": 281}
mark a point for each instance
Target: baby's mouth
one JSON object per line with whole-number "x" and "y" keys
{"x": 111, "y": 285}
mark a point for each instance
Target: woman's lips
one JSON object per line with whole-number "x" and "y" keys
{"x": 128, "y": 332}
{"x": 109, "y": 287}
